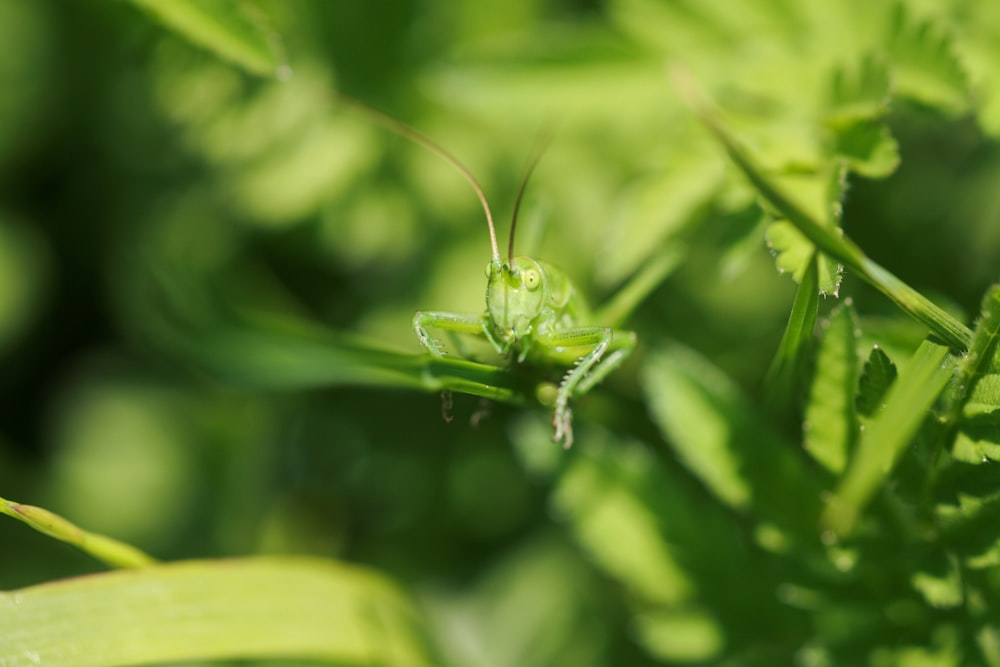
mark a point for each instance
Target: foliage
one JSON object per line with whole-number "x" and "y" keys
{"x": 208, "y": 269}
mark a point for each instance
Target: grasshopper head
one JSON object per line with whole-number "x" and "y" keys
{"x": 515, "y": 296}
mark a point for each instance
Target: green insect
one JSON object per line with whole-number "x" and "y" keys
{"x": 534, "y": 314}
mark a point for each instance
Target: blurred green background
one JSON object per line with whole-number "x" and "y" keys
{"x": 153, "y": 195}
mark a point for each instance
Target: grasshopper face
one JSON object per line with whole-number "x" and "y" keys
{"x": 515, "y": 297}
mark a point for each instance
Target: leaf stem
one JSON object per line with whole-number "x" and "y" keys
{"x": 101, "y": 547}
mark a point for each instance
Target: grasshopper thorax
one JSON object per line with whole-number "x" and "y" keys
{"x": 516, "y": 295}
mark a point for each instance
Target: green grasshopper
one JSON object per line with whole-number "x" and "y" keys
{"x": 534, "y": 314}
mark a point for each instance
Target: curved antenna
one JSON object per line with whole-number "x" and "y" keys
{"x": 416, "y": 136}
{"x": 541, "y": 145}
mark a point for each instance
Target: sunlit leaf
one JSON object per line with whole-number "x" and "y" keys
{"x": 618, "y": 527}
{"x": 830, "y": 420}
{"x": 210, "y": 610}
{"x": 942, "y": 586}
{"x": 979, "y": 49}
{"x": 236, "y": 31}
{"x": 721, "y": 437}
{"x": 656, "y": 210}
{"x": 924, "y": 64}
{"x": 792, "y": 250}
{"x": 682, "y": 636}
{"x": 860, "y": 93}
{"x": 868, "y": 147}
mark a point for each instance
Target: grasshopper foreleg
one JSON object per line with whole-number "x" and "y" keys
{"x": 452, "y": 323}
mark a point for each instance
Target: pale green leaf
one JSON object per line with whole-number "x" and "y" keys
{"x": 830, "y": 421}
{"x": 686, "y": 635}
{"x": 532, "y": 606}
{"x": 699, "y": 411}
{"x": 236, "y": 31}
{"x": 648, "y": 526}
{"x": 657, "y": 210}
{"x": 940, "y": 587}
{"x": 860, "y": 93}
{"x": 617, "y": 526}
{"x": 978, "y": 439}
{"x": 924, "y": 64}
{"x": 868, "y": 148}
{"x": 793, "y": 253}
{"x": 858, "y": 101}
{"x": 722, "y": 439}
{"x": 979, "y": 50}
{"x": 984, "y": 397}
{"x": 983, "y": 359}
{"x": 820, "y": 195}
{"x": 976, "y": 407}
{"x": 211, "y": 610}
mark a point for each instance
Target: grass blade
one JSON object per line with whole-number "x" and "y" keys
{"x": 789, "y": 362}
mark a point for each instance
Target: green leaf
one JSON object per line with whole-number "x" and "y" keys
{"x": 868, "y": 147}
{"x": 651, "y": 528}
{"x": 794, "y": 253}
{"x": 680, "y": 636}
{"x": 858, "y": 102}
{"x": 830, "y": 420}
{"x": 924, "y": 64}
{"x": 978, "y": 439}
{"x": 982, "y": 363}
{"x": 877, "y": 376}
{"x": 236, "y": 31}
{"x": 979, "y": 50}
{"x": 941, "y": 586}
{"x": 887, "y": 436}
{"x": 656, "y": 211}
{"x": 793, "y": 250}
{"x": 211, "y": 610}
{"x": 976, "y": 406}
{"x": 828, "y": 240}
{"x": 859, "y": 94}
{"x": 721, "y": 438}
{"x": 602, "y": 495}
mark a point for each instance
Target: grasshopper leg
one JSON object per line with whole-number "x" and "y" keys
{"x": 452, "y": 323}
{"x": 589, "y": 369}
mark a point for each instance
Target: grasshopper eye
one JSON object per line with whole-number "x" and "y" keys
{"x": 532, "y": 280}
{"x": 489, "y": 269}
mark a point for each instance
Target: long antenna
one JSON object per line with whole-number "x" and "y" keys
{"x": 415, "y": 135}
{"x": 540, "y": 147}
